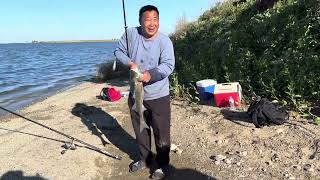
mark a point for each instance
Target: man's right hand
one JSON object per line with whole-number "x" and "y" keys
{"x": 132, "y": 65}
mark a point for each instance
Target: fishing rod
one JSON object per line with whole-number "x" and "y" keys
{"x": 126, "y": 34}
{"x": 125, "y": 26}
{"x": 70, "y": 145}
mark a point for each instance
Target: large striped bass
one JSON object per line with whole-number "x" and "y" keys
{"x": 136, "y": 86}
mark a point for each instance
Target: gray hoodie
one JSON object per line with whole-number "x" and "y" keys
{"x": 155, "y": 55}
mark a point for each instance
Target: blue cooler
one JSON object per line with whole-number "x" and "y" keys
{"x": 206, "y": 89}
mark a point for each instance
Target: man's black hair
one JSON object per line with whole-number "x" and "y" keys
{"x": 147, "y": 8}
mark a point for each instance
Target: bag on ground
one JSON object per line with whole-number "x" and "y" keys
{"x": 110, "y": 94}
{"x": 263, "y": 112}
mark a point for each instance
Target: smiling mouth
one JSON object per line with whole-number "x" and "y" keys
{"x": 151, "y": 30}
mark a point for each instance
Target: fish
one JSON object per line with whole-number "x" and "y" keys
{"x": 136, "y": 87}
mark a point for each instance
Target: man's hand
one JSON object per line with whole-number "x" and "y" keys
{"x": 146, "y": 76}
{"x": 132, "y": 65}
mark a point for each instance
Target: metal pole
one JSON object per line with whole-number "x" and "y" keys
{"x": 63, "y": 134}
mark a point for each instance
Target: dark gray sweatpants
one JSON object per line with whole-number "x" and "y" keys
{"x": 157, "y": 115}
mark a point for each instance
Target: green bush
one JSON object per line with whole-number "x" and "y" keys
{"x": 272, "y": 53}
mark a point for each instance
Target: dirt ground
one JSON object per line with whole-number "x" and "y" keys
{"x": 207, "y": 142}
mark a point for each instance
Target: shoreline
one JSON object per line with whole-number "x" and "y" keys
{"x": 74, "y": 41}
{"x": 20, "y": 107}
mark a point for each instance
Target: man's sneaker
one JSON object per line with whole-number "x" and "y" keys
{"x": 136, "y": 166}
{"x": 158, "y": 174}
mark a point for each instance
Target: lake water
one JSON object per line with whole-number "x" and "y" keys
{"x": 29, "y": 72}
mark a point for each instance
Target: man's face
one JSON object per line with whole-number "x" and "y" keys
{"x": 149, "y": 23}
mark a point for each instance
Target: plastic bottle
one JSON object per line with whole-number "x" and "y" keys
{"x": 231, "y": 103}
{"x": 124, "y": 93}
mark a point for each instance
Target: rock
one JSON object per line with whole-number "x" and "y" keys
{"x": 229, "y": 152}
{"x": 217, "y": 162}
{"x": 269, "y": 163}
{"x": 179, "y": 151}
{"x": 227, "y": 161}
{"x": 275, "y": 158}
{"x": 244, "y": 153}
{"x": 238, "y": 164}
{"x": 173, "y": 147}
{"x": 263, "y": 169}
{"x": 308, "y": 167}
{"x": 286, "y": 174}
{"x": 297, "y": 167}
{"x": 218, "y": 142}
{"x": 219, "y": 157}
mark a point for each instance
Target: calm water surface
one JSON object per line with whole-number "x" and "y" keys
{"x": 29, "y": 72}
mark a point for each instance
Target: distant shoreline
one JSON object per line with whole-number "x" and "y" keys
{"x": 64, "y": 41}
{"x": 75, "y": 41}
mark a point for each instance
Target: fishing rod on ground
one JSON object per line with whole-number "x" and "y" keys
{"x": 70, "y": 145}
{"x": 126, "y": 34}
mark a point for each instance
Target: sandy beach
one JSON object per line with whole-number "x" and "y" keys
{"x": 211, "y": 143}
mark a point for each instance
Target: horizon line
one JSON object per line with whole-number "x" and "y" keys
{"x": 63, "y": 41}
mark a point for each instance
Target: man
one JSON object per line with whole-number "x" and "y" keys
{"x": 152, "y": 53}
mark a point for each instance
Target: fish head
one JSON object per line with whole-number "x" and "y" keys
{"x": 136, "y": 75}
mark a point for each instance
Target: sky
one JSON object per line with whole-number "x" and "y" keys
{"x": 45, "y": 20}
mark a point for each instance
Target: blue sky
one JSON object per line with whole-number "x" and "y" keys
{"x": 27, "y": 20}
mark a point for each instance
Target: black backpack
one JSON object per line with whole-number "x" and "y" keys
{"x": 263, "y": 112}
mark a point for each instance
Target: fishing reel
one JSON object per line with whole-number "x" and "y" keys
{"x": 68, "y": 146}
